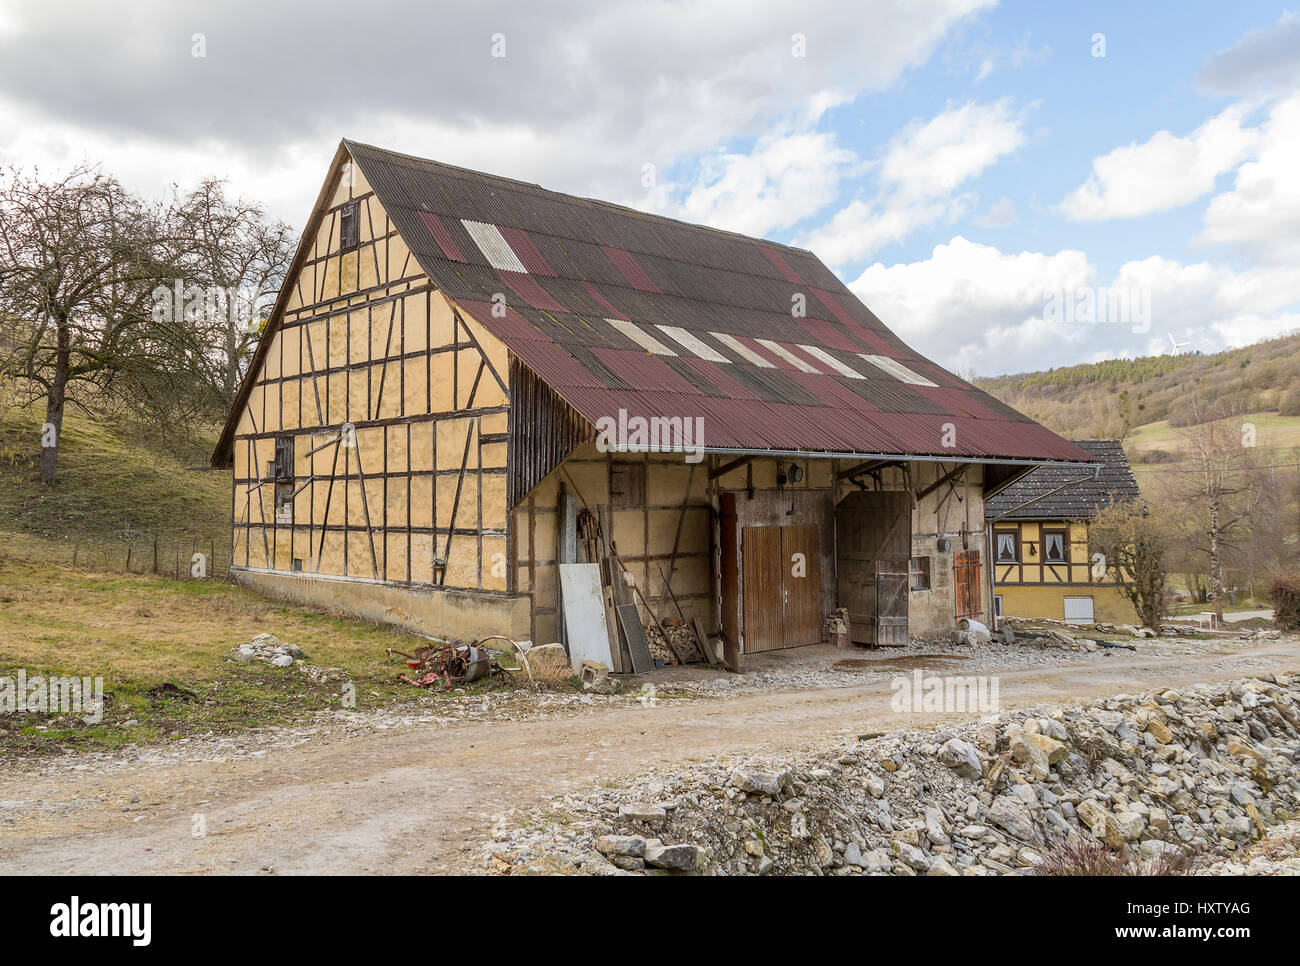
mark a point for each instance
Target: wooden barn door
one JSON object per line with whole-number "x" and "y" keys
{"x": 966, "y": 579}
{"x": 783, "y": 581}
{"x": 891, "y": 601}
{"x": 762, "y": 590}
{"x": 873, "y": 541}
{"x": 802, "y": 586}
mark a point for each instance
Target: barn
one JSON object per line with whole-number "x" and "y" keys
{"x": 468, "y": 382}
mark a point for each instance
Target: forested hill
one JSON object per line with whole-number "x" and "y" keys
{"x": 1104, "y": 399}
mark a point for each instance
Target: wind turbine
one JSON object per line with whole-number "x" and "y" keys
{"x": 1176, "y": 344}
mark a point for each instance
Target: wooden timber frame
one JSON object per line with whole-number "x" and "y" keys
{"x": 397, "y": 406}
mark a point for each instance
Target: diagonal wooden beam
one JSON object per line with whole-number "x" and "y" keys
{"x": 727, "y": 467}
{"x": 952, "y": 474}
{"x": 460, "y": 323}
{"x": 365, "y": 508}
{"x": 868, "y": 467}
{"x": 325, "y": 514}
{"x": 383, "y": 369}
{"x": 455, "y": 503}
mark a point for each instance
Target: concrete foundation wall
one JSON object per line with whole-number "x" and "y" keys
{"x": 439, "y": 612}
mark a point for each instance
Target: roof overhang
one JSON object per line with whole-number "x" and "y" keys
{"x": 890, "y": 457}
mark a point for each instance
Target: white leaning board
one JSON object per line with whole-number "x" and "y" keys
{"x": 584, "y": 614}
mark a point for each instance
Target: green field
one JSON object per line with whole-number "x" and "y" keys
{"x": 1277, "y": 439}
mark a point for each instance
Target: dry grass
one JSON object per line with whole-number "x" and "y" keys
{"x": 139, "y": 632}
{"x": 1077, "y": 856}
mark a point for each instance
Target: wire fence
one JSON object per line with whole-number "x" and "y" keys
{"x": 180, "y": 556}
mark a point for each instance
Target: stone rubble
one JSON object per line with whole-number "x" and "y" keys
{"x": 696, "y": 682}
{"x": 269, "y": 649}
{"x": 1277, "y": 854}
{"x": 1203, "y": 771}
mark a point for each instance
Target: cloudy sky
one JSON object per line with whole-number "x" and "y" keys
{"x": 957, "y": 162}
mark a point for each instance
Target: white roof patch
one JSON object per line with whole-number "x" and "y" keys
{"x": 842, "y": 368}
{"x": 897, "y": 370}
{"x": 742, "y": 350}
{"x": 699, "y": 347}
{"x": 801, "y": 364}
{"x": 493, "y": 245}
{"x": 644, "y": 339}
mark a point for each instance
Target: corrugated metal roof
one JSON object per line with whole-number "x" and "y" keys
{"x": 566, "y": 266}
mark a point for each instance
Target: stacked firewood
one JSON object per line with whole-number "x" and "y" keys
{"x": 682, "y": 639}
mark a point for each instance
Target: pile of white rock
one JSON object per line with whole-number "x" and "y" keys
{"x": 1200, "y": 771}
{"x": 267, "y": 648}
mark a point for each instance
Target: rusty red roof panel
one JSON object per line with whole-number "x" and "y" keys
{"x": 825, "y": 334}
{"x": 532, "y": 292}
{"x": 589, "y": 261}
{"x": 507, "y": 325}
{"x": 525, "y": 250}
{"x": 639, "y": 369}
{"x": 716, "y": 377}
{"x": 632, "y": 271}
{"x": 440, "y": 234}
{"x": 781, "y": 265}
{"x": 605, "y": 303}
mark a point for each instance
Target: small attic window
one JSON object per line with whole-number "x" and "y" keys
{"x": 350, "y": 226}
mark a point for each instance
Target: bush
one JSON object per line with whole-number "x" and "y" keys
{"x": 1285, "y": 593}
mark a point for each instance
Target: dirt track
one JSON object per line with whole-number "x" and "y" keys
{"x": 408, "y": 801}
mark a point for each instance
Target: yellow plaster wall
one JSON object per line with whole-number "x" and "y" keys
{"x": 400, "y": 460}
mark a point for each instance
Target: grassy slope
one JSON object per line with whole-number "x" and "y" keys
{"x": 1276, "y": 437}
{"x": 1083, "y": 401}
{"x": 109, "y": 484}
{"x": 138, "y": 631}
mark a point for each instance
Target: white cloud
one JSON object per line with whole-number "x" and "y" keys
{"x": 932, "y": 159}
{"x": 1001, "y": 215}
{"x": 784, "y": 180}
{"x": 585, "y": 96}
{"x": 918, "y": 177}
{"x": 1260, "y": 215}
{"x": 1260, "y": 60}
{"x": 1164, "y": 172}
{"x": 972, "y": 306}
{"x": 969, "y": 301}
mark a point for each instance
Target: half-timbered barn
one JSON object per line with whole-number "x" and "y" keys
{"x": 468, "y": 381}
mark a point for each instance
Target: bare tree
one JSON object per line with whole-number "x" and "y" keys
{"x": 234, "y": 257}
{"x": 79, "y": 258}
{"x": 1219, "y": 489}
{"x": 1136, "y": 541}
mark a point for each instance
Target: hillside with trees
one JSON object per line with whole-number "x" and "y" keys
{"x": 1215, "y": 444}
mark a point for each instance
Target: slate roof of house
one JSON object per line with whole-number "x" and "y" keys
{"x": 1078, "y": 502}
{"x": 617, "y": 309}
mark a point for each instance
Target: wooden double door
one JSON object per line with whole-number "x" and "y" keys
{"x": 782, "y": 587}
